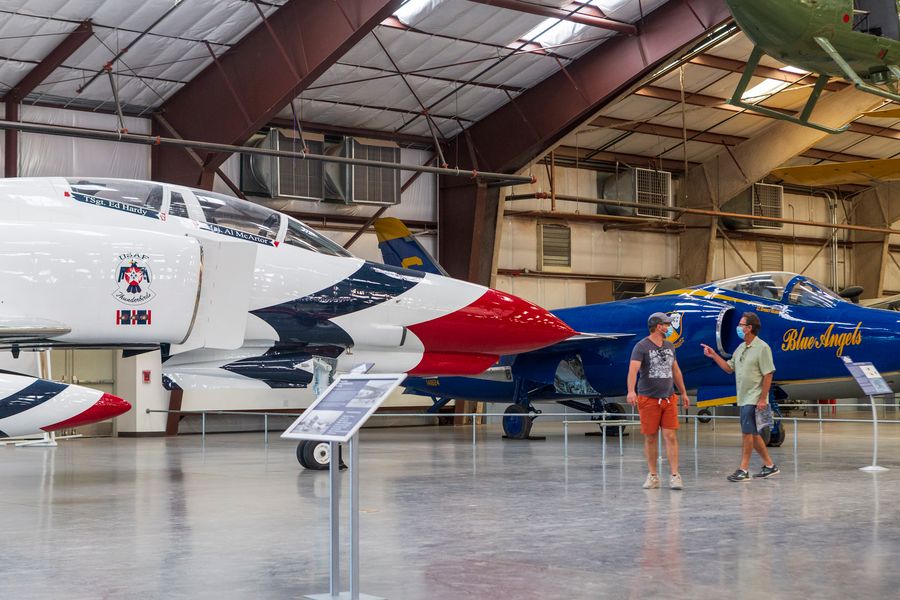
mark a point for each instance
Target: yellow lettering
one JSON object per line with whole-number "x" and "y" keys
{"x": 796, "y": 340}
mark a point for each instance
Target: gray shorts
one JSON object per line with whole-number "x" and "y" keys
{"x": 748, "y": 419}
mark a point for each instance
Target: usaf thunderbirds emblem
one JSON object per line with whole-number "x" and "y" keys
{"x": 133, "y": 278}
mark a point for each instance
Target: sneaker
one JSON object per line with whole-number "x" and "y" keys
{"x": 675, "y": 482}
{"x": 739, "y": 475}
{"x": 768, "y": 471}
{"x": 652, "y": 482}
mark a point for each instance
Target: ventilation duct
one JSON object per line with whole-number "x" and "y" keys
{"x": 643, "y": 186}
{"x": 759, "y": 200}
{"x": 288, "y": 177}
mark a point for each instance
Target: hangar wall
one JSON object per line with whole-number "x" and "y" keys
{"x": 629, "y": 254}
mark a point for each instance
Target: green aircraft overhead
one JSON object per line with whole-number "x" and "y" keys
{"x": 859, "y": 41}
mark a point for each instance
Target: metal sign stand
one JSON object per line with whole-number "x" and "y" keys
{"x": 874, "y": 466}
{"x": 334, "y": 580}
{"x": 336, "y": 416}
{"x": 872, "y": 384}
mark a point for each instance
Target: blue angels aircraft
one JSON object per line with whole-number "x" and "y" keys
{"x": 809, "y": 328}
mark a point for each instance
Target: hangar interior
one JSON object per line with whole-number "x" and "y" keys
{"x": 622, "y": 101}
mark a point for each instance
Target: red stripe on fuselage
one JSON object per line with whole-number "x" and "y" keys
{"x": 495, "y": 324}
{"x": 107, "y": 407}
{"x": 453, "y": 363}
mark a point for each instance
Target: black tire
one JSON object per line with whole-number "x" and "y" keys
{"x": 516, "y": 422}
{"x": 616, "y": 409}
{"x": 707, "y": 415}
{"x": 315, "y": 456}
{"x": 778, "y": 439}
{"x": 766, "y": 435}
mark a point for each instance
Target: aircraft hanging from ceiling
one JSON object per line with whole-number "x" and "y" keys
{"x": 809, "y": 328}
{"x": 235, "y": 294}
{"x": 830, "y": 38}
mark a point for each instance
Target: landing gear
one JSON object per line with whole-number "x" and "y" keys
{"x": 315, "y": 456}
{"x": 707, "y": 415}
{"x": 517, "y": 422}
{"x": 774, "y": 437}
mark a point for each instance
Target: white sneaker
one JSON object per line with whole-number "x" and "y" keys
{"x": 652, "y": 482}
{"x": 675, "y": 482}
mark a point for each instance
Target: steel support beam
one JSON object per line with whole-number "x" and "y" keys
{"x": 72, "y": 42}
{"x": 584, "y": 14}
{"x": 734, "y": 169}
{"x": 517, "y": 133}
{"x": 269, "y": 67}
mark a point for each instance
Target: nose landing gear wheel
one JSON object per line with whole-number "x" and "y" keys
{"x": 706, "y": 415}
{"x": 516, "y": 422}
{"x": 776, "y": 438}
{"x": 315, "y": 456}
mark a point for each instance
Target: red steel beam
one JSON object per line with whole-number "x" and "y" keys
{"x": 270, "y": 66}
{"x": 565, "y": 13}
{"x": 512, "y": 136}
{"x": 72, "y": 42}
{"x": 670, "y": 95}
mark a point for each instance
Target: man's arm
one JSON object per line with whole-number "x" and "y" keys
{"x": 679, "y": 383}
{"x": 764, "y": 395}
{"x": 633, "y": 368}
{"x": 709, "y": 352}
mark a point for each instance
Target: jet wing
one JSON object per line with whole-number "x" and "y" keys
{"x": 857, "y": 171}
{"x": 580, "y": 342}
{"x": 13, "y": 329}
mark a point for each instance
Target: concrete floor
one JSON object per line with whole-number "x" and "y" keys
{"x": 230, "y": 518}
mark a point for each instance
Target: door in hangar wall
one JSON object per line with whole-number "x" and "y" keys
{"x": 91, "y": 368}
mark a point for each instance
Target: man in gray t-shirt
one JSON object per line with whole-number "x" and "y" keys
{"x": 653, "y": 358}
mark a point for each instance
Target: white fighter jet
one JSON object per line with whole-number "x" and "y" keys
{"x": 235, "y": 294}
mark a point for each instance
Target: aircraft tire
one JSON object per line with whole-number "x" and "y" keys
{"x": 778, "y": 439}
{"x": 706, "y": 415}
{"x": 616, "y": 408}
{"x": 313, "y": 455}
{"x": 516, "y": 422}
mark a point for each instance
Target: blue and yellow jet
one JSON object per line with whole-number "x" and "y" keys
{"x": 809, "y": 328}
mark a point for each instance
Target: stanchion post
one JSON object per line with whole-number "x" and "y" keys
{"x": 334, "y": 580}
{"x": 796, "y": 433}
{"x": 566, "y": 437}
{"x": 473, "y": 432}
{"x": 203, "y": 426}
{"x": 266, "y": 428}
{"x": 695, "y": 431}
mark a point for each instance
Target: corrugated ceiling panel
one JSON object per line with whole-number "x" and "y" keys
{"x": 745, "y": 124}
{"x": 635, "y": 108}
{"x": 876, "y": 147}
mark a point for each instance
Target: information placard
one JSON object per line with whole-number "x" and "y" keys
{"x": 868, "y": 378}
{"x": 342, "y": 409}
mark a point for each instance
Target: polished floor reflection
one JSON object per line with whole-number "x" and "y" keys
{"x": 232, "y": 518}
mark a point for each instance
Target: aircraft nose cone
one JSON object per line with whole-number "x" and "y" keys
{"x": 106, "y": 407}
{"x": 496, "y": 323}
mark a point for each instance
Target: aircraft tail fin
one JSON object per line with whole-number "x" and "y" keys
{"x": 400, "y": 249}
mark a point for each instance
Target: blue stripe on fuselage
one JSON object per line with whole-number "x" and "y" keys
{"x": 28, "y": 397}
{"x": 307, "y": 319}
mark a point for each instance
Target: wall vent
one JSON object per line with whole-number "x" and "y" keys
{"x": 767, "y": 202}
{"x": 554, "y": 247}
{"x": 653, "y": 187}
{"x": 769, "y": 256}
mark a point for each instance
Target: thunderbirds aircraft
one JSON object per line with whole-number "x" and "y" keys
{"x": 808, "y": 327}
{"x": 236, "y": 295}
{"x": 831, "y": 38}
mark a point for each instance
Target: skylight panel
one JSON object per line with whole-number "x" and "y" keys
{"x": 413, "y": 10}
{"x": 769, "y": 87}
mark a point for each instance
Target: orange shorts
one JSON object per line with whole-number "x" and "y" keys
{"x": 656, "y": 413}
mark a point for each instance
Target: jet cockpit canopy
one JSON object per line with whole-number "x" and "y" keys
{"x": 788, "y": 288}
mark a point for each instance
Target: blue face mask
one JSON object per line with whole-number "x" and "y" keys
{"x": 740, "y": 332}
{"x": 669, "y": 332}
